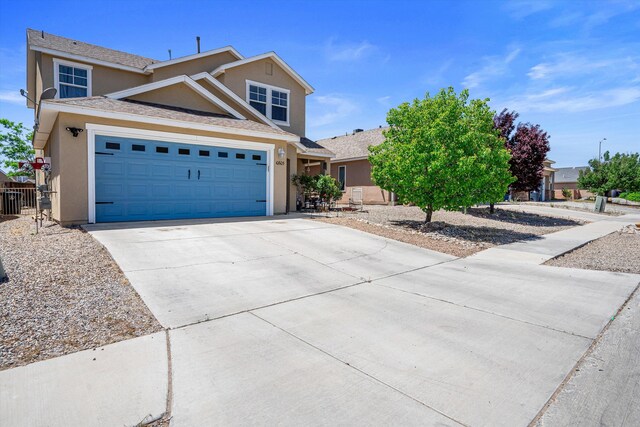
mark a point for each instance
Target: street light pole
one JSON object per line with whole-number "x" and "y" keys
{"x": 600, "y": 149}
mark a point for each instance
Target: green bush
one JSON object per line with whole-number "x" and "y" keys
{"x": 634, "y": 197}
{"x": 567, "y": 194}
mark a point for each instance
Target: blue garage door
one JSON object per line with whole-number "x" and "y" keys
{"x": 139, "y": 180}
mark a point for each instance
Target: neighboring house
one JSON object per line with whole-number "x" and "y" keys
{"x": 567, "y": 178}
{"x": 545, "y": 191}
{"x": 4, "y": 178}
{"x": 351, "y": 167}
{"x": 213, "y": 134}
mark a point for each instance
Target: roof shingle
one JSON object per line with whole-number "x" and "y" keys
{"x": 167, "y": 112}
{"x": 354, "y": 145}
{"x": 63, "y": 44}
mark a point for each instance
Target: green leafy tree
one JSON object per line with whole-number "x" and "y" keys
{"x": 15, "y": 146}
{"x": 622, "y": 171}
{"x": 328, "y": 188}
{"x": 442, "y": 152}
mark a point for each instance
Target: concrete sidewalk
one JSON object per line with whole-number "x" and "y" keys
{"x": 292, "y": 322}
{"x": 552, "y": 245}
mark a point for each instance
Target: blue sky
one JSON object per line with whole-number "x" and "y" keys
{"x": 573, "y": 67}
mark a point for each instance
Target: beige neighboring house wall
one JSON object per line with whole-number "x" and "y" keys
{"x": 181, "y": 96}
{"x": 236, "y": 79}
{"x": 358, "y": 174}
{"x": 352, "y": 152}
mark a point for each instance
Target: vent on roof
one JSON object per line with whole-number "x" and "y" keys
{"x": 357, "y": 130}
{"x": 198, "y": 43}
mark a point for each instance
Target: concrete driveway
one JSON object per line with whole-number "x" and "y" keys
{"x": 295, "y": 322}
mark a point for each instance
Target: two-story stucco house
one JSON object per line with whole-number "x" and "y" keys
{"x": 213, "y": 134}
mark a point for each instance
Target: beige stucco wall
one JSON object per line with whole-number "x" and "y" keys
{"x": 236, "y": 79}
{"x": 70, "y": 168}
{"x": 179, "y": 95}
{"x": 195, "y": 66}
{"x": 103, "y": 79}
{"x": 359, "y": 176}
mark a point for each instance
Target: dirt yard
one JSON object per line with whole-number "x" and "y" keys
{"x": 619, "y": 251}
{"x": 454, "y": 233}
{"x": 63, "y": 293}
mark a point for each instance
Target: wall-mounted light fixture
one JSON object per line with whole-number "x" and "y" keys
{"x": 281, "y": 152}
{"x": 74, "y": 131}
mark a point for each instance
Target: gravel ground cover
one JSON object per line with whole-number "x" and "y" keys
{"x": 618, "y": 251}
{"x": 63, "y": 293}
{"x": 454, "y": 233}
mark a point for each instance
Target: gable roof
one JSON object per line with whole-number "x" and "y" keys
{"x": 164, "y": 115}
{"x": 206, "y": 76}
{"x": 354, "y": 146}
{"x": 172, "y": 81}
{"x": 273, "y": 56}
{"x": 73, "y": 49}
{"x": 566, "y": 175}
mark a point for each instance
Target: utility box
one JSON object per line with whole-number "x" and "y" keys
{"x": 601, "y": 203}
{"x": 44, "y": 203}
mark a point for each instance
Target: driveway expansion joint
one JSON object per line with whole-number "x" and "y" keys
{"x": 358, "y": 370}
{"x": 487, "y": 312}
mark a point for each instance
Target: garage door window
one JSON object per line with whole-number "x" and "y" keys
{"x": 162, "y": 150}
{"x": 137, "y": 147}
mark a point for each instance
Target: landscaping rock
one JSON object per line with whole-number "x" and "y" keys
{"x": 63, "y": 293}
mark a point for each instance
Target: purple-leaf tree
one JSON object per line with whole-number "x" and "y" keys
{"x": 529, "y": 145}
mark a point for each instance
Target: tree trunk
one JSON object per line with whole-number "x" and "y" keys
{"x": 492, "y": 208}
{"x": 429, "y": 213}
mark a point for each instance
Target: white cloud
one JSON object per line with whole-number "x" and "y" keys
{"x": 12, "y": 97}
{"x": 571, "y": 100}
{"x": 337, "y": 52}
{"x": 384, "y": 100}
{"x": 495, "y": 66}
{"x": 571, "y": 64}
{"x": 329, "y": 109}
{"x": 523, "y": 8}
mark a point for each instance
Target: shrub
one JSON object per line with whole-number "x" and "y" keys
{"x": 634, "y": 197}
{"x": 567, "y": 194}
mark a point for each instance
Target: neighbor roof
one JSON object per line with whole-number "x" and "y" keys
{"x": 39, "y": 40}
{"x": 312, "y": 147}
{"x": 565, "y": 175}
{"x": 353, "y": 146}
{"x": 145, "y": 109}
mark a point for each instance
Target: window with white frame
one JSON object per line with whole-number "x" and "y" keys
{"x": 342, "y": 177}
{"x": 271, "y": 101}
{"x": 72, "y": 80}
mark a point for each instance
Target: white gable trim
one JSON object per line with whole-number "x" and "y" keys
{"x": 272, "y": 55}
{"x": 229, "y": 49}
{"x": 88, "y": 60}
{"x": 232, "y": 95}
{"x": 57, "y": 107}
{"x": 172, "y": 81}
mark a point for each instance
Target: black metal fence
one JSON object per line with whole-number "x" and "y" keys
{"x": 17, "y": 199}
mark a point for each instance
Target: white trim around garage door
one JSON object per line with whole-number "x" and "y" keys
{"x": 95, "y": 129}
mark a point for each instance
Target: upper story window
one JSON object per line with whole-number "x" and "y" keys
{"x": 271, "y": 101}
{"x": 72, "y": 80}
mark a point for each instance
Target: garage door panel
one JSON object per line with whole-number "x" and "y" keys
{"x": 145, "y": 180}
